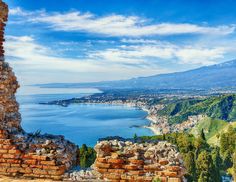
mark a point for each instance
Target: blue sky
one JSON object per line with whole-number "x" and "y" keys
{"x": 85, "y": 41}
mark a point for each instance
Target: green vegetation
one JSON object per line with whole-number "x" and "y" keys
{"x": 156, "y": 180}
{"x": 217, "y": 107}
{"x": 215, "y": 139}
{"x": 202, "y": 161}
{"x": 87, "y": 156}
{"x": 210, "y": 126}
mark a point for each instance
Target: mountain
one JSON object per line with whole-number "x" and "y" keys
{"x": 208, "y": 77}
{"x": 218, "y": 107}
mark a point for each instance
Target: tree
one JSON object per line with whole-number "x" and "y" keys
{"x": 87, "y": 156}
{"x": 200, "y": 145}
{"x": 203, "y": 137}
{"x": 189, "y": 163}
{"x": 205, "y": 167}
{"x": 227, "y": 142}
{"x": 203, "y": 177}
{"x": 227, "y": 160}
{"x": 184, "y": 143}
{"x": 135, "y": 137}
{"x": 234, "y": 165}
{"x": 217, "y": 162}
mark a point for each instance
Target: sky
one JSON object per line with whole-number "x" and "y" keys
{"x": 72, "y": 41}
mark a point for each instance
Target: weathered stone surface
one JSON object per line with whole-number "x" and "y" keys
{"x": 128, "y": 161}
{"x": 23, "y": 154}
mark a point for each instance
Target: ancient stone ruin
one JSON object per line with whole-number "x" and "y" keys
{"x": 146, "y": 161}
{"x": 22, "y": 154}
{"x": 48, "y": 156}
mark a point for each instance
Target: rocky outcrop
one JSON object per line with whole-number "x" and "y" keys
{"x": 22, "y": 154}
{"x": 128, "y": 161}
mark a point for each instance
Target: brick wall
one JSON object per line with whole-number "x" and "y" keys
{"x": 23, "y": 154}
{"x": 49, "y": 156}
{"x": 127, "y": 161}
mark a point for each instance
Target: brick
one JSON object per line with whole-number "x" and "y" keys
{"x": 131, "y": 167}
{"x": 26, "y": 170}
{"x": 163, "y": 162}
{"x": 170, "y": 174}
{"x": 2, "y": 151}
{"x": 102, "y": 160}
{"x": 5, "y": 164}
{"x": 56, "y": 172}
{"x": 39, "y": 171}
{"x": 3, "y": 169}
{"x": 54, "y": 167}
{"x": 112, "y": 176}
{"x": 102, "y": 165}
{"x": 135, "y": 161}
{"x": 116, "y": 161}
{"x": 174, "y": 168}
{"x": 15, "y": 151}
{"x": 5, "y": 141}
{"x": 101, "y": 170}
{"x": 52, "y": 163}
{"x": 39, "y": 157}
{"x": 13, "y": 169}
{"x": 14, "y": 161}
{"x": 15, "y": 165}
{"x": 116, "y": 166}
{"x": 10, "y": 156}
{"x": 117, "y": 171}
{"x": 30, "y": 162}
{"x": 138, "y": 172}
{"x": 152, "y": 167}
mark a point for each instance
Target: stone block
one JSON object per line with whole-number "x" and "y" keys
{"x": 116, "y": 161}
{"x": 102, "y": 165}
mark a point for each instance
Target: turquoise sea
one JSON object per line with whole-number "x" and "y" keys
{"x": 80, "y": 123}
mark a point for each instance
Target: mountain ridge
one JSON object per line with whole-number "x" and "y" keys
{"x": 218, "y": 76}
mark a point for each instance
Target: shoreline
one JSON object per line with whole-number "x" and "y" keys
{"x": 156, "y": 131}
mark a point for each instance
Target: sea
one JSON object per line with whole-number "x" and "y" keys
{"x": 79, "y": 123}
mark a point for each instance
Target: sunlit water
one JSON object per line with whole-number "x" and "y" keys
{"x": 80, "y": 123}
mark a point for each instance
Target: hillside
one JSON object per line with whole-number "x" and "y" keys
{"x": 220, "y": 76}
{"x": 216, "y": 107}
{"x": 210, "y": 127}
{"x": 214, "y": 139}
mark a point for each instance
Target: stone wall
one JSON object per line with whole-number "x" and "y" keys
{"x": 128, "y": 161}
{"x": 23, "y": 154}
{"x": 48, "y": 156}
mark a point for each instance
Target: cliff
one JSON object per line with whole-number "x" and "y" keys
{"x": 23, "y": 154}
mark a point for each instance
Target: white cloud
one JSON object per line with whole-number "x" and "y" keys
{"x": 200, "y": 55}
{"x": 139, "y": 41}
{"x": 137, "y": 54}
{"x": 17, "y": 11}
{"x": 116, "y": 25}
{"x": 35, "y": 63}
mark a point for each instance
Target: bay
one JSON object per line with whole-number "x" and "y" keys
{"x": 80, "y": 123}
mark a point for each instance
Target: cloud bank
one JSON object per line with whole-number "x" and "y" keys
{"x": 115, "y": 25}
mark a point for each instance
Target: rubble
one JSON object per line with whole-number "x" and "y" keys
{"x": 47, "y": 156}
{"x": 128, "y": 161}
{"x": 23, "y": 154}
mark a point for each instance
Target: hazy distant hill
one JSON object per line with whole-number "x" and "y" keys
{"x": 208, "y": 77}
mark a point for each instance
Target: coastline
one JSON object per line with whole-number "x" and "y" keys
{"x": 155, "y": 130}
{"x": 149, "y": 117}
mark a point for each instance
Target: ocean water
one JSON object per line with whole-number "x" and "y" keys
{"x": 80, "y": 123}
